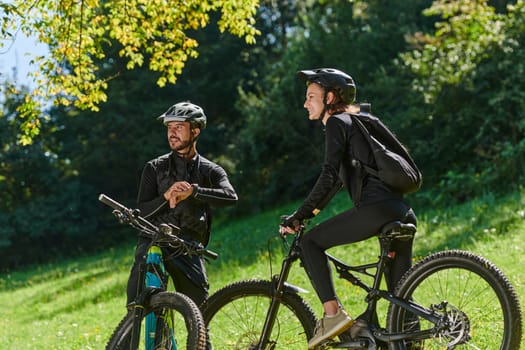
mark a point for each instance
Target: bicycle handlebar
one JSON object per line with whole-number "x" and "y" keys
{"x": 133, "y": 218}
{"x": 208, "y": 253}
{"x": 112, "y": 203}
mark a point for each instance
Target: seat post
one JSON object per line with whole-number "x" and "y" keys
{"x": 385, "y": 242}
{"x": 388, "y": 233}
{"x": 370, "y": 314}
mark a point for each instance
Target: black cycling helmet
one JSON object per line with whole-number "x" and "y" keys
{"x": 332, "y": 80}
{"x": 185, "y": 112}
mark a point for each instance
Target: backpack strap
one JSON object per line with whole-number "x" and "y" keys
{"x": 373, "y": 146}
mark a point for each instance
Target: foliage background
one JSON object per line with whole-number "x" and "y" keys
{"x": 447, "y": 77}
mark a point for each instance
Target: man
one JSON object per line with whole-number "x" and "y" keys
{"x": 179, "y": 188}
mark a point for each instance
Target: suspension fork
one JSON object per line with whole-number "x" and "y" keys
{"x": 138, "y": 309}
{"x": 277, "y": 291}
{"x": 149, "y": 284}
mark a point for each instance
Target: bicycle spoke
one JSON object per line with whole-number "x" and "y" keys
{"x": 236, "y": 316}
{"x": 479, "y": 307}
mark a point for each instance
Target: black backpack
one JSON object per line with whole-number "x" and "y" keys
{"x": 394, "y": 165}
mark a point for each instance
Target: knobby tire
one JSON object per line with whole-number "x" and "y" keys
{"x": 190, "y": 332}
{"x": 483, "y": 306}
{"x": 235, "y": 317}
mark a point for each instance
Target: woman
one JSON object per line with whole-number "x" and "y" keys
{"x": 329, "y": 97}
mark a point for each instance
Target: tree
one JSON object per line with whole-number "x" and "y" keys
{"x": 460, "y": 43}
{"x": 469, "y": 71}
{"x": 80, "y": 33}
{"x": 42, "y": 204}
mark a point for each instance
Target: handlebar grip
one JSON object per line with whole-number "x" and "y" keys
{"x": 209, "y": 254}
{"x": 112, "y": 203}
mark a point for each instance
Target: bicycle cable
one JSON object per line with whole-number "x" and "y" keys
{"x": 285, "y": 247}
{"x": 269, "y": 249}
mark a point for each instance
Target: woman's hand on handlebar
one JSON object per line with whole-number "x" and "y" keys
{"x": 289, "y": 225}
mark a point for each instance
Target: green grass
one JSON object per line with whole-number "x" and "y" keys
{"x": 76, "y": 304}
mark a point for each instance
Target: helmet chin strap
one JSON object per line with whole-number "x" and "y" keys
{"x": 189, "y": 147}
{"x": 323, "y": 112}
{"x": 326, "y": 106}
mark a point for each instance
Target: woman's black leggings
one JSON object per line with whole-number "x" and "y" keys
{"x": 354, "y": 225}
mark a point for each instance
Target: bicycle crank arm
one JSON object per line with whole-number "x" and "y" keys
{"x": 351, "y": 344}
{"x": 412, "y": 335}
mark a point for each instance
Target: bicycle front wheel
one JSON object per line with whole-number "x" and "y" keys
{"x": 477, "y": 302}
{"x": 235, "y": 317}
{"x": 178, "y": 325}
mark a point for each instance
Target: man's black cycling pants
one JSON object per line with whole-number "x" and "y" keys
{"x": 187, "y": 272}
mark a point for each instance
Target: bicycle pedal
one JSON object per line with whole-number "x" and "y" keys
{"x": 327, "y": 344}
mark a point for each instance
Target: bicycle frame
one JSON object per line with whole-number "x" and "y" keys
{"x": 153, "y": 279}
{"x": 374, "y": 293}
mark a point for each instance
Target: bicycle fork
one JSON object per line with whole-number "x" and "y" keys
{"x": 279, "y": 287}
{"x": 152, "y": 284}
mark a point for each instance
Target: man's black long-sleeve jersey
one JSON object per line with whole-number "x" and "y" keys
{"x": 211, "y": 188}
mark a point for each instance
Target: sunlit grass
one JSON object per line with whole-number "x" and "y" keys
{"x": 77, "y": 304}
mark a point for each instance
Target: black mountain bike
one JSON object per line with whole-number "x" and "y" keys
{"x": 448, "y": 300}
{"x": 164, "y": 320}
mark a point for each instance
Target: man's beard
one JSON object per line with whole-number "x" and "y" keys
{"x": 182, "y": 146}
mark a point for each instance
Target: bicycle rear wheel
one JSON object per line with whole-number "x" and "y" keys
{"x": 235, "y": 317}
{"x": 480, "y": 304}
{"x": 179, "y": 325}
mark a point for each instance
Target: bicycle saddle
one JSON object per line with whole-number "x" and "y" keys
{"x": 398, "y": 230}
